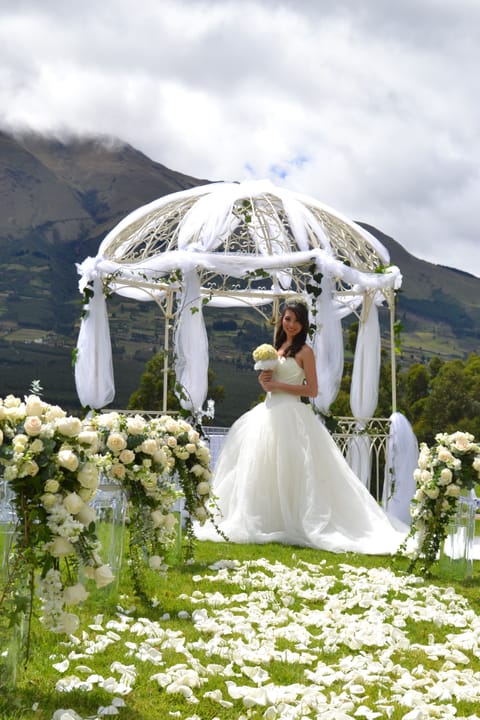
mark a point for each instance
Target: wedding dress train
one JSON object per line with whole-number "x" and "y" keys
{"x": 280, "y": 477}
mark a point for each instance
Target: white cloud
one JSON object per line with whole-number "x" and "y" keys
{"x": 369, "y": 107}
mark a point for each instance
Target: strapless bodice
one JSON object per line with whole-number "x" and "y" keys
{"x": 286, "y": 371}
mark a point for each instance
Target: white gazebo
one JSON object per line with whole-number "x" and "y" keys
{"x": 239, "y": 244}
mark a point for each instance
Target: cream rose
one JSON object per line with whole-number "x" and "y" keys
{"x": 54, "y": 412}
{"x": 149, "y": 446}
{"x": 203, "y": 488}
{"x": 118, "y": 471}
{"x": 126, "y": 456}
{"x": 158, "y": 518}
{"x": 87, "y": 476}
{"x": 19, "y": 442}
{"x": 103, "y": 576}
{"x": 61, "y": 547}
{"x": 172, "y": 441}
{"x": 136, "y": 425}
{"x": 51, "y": 486}
{"x": 201, "y": 513}
{"x": 193, "y": 436}
{"x": 29, "y": 469}
{"x": 74, "y": 594}
{"x": 116, "y": 442}
{"x": 33, "y": 426}
{"x": 48, "y": 500}
{"x": 453, "y": 491}
{"x": 86, "y": 515}
{"x": 68, "y": 426}
{"x": 444, "y": 455}
{"x": 445, "y": 476}
{"x": 36, "y": 446}
{"x": 34, "y": 406}
{"x": 73, "y": 503}
{"x": 67, "y": 459}
{"x": 432, "y": 493}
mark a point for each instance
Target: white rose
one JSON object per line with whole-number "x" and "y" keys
{"x": 86, "y": 494}
{"x": 135, "y": 425}
{"x": 172, "y": 425}
{"x": 426, "y": 476}
{"x": 74, "y": 594}
{"x": 126, "y": 456}
{"x": 181, "y": 453}
{"x": 33, "y": 426}
{"x": 453, "y": 491}
{"x": 149, "y": 446}
{"x": 103, "y": 576}
{"x": 197, "y": 470}
{"x": 191, "y": 448}
{"x": 203, "y": 488}
{"x": 201, "y": 513}
{"x": 10, "y": 473}
{"x": 19, "y": 443}
{"x": 88, "y": 437}
{"x": 193, "y": 436}
{"x": 54, "y": 412}
{"x": 159, "y": 457}
{"x": 419, "y": 495}
{"x": 155, "y": 562}
{"x": 69, "y": 623}
{"x": 34, "y": 406}
{"x": 170, "y": 521}
{"x": 73, "y": 503}
{"x": 36, "y": 446}
{"x": 29, "y": 469}
{"x": 87, "y": 476}
{"x": 444, "y": 455}
{"x": 462, "y": 441}
{"x": 48, "y": 500}
{"x": 445, "y": 476}
{"x": 66, "y": 458}
{"x": 158, "y": 518}
{"x": 116, "y": 442}
{"x": 86, "y": 515}
{"x": 432, "y": 493}
{"x": 117, "y": 471}
{"x": 69, "y": 426}
{"x": 108, "y": 420}
{"x": 172, "y": 441}
{"x": 61, "y": 547}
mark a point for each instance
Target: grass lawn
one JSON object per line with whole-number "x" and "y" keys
{"x": 250, "y": 631}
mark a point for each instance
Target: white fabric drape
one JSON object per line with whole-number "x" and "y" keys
{"x": 366, "y": 363}
{"x": 94, "y": 367}
{"x": 364, "y": 387}
{"x": 402, "y": 459}
{"x": 191, "y": 345}
{"x": 327, "y": 347}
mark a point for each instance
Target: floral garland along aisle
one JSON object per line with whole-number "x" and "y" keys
{"x": 50, "y": 465}
{"x": 446, "y": 470}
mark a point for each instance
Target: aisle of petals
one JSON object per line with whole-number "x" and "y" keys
{"x": 302, "y": 616}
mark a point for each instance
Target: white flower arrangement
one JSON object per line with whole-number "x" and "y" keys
{"x": 43, "y": 458}
{"x": 444, "y": 471}
{"x": 265, "y": 356}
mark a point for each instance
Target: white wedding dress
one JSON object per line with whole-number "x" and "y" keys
{"x": 280, "y": 477}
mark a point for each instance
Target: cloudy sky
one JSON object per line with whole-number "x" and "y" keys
{"x": 370, "y": 106}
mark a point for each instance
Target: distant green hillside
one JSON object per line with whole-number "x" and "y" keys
{"x": 57, "y": 201}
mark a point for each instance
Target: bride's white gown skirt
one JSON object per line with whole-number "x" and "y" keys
{"x": 281, "y": 478}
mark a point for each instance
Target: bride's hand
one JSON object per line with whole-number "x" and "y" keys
{"x": 265, "y": 379}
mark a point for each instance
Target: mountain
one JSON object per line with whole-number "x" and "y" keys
{"x": 58, "y": 199}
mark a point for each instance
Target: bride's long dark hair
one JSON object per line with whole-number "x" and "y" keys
{"x": 301, "y": 313}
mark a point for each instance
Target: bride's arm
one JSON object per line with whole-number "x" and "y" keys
{"x": 309, "y": 388}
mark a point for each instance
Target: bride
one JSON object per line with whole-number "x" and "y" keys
{"x": 280, "y": 476}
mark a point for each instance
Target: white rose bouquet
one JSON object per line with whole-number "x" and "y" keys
{"x": 445, "y": 470}
{"x": 265, "y": 356}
